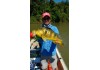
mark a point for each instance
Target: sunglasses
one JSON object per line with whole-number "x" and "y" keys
{"x": 46, "y": 18}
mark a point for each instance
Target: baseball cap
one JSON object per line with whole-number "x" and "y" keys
{"x": 45, "y": 14}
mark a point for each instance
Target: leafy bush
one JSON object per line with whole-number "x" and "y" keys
{"x": 59, "y": 11}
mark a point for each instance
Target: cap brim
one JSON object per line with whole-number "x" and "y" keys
{"x": 45, "y": 16}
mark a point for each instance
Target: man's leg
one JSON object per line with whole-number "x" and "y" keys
{"x": 53, "y": 61}
{"x": 44, "y": 62}
{"x": 56, "y": 68}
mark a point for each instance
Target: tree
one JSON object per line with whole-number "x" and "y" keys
{"x": 59, "y": 11}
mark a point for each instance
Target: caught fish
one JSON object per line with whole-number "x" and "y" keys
{"x": 48, "y": 34}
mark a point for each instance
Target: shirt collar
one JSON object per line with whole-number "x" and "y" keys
{"x": 48, "y": 26}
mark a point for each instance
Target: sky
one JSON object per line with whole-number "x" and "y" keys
{"x": 59, "y": 0}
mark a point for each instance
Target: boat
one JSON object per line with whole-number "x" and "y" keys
{"x": 35, "y": 58}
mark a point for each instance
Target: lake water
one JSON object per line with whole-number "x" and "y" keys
{"x": 64, "y": 33}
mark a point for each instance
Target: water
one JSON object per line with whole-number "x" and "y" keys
{"x": 64, "y": 33}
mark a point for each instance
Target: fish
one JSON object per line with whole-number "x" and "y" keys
{"x": 48, "y": 34}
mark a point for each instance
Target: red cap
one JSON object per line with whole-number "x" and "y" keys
{"x": 45, "y": 14}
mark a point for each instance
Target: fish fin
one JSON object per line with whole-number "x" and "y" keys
{"x": 61, "y": 45}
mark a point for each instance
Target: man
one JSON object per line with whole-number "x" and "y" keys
{"x": 48, "y": 48}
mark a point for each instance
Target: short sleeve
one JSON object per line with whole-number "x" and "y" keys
{"x": 55, "y": 29}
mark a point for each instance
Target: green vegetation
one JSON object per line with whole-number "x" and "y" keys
{"x": 59, "y": 11}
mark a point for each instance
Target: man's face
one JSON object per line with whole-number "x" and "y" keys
{"x": 46, "y": 20}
